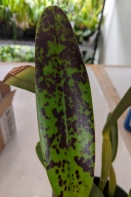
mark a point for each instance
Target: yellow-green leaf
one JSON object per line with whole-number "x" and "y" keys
{"x": 22, "y": 77}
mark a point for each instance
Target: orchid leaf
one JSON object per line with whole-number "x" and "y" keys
{"x": 22, "y": 77}
{"x": 64, "y": 107}
{"x": 114, "y": 140}
{"x": 124, "y": 103}
{"x": 95, "y": 192}
{"x": 106, "y": 163}
{"x": 129, "y": 195}
{"x": 39, "y": 153}
{"x": 107, "y": 157}
{"x": 112, "y": 183}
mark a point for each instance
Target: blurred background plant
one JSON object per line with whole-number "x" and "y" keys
{"x": 24, "y": 15}
{"x": 86, "y": 18}
{"x": 17, "y": 53}
{"x": 19, "y": 18}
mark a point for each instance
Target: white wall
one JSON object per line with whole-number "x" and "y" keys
{"x": 116, "y": 42}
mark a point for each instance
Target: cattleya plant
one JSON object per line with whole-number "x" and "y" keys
{"x": 65, "y": 113}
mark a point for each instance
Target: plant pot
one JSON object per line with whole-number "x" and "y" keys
{"x": 119, "y": 191}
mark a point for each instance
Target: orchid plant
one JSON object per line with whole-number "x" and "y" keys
{"x": 65, "y": 111}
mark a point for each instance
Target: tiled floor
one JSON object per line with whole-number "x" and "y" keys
{"x": 21, "y": 174}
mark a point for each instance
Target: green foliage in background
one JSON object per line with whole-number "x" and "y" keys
{"x": 17, "y": 53}
{"x": 65, "y": 112}
{"x": 84, "y": 14}
{"x": 22, "y": 53}
{"x": 17, "y": 16}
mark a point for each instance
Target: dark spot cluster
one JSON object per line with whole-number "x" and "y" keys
{"x": 73, "y": 177}
{"x": 77, "y": 174}
{"x": 61, "y": 128}
{"x": 86, "y": 149}
{"x": 77, "y": 76}
{"x": 71, "y": 126}
{"x": 73, "y": 140}
{"x": 56, "y": 84}
{"x": 57, "y": 171}
{"x": 65, "y": 188}
{"x": 43, "y": 112}
{"x": 49, "y": 143}
{"x": 51, "y": 88}
{"x": 61, "y": 194}
{"x": 61, "y": 182}
{"x": 83, "y": 121}
{"x": 53, "y": 164}
{"x": 86, "y": 165}
{"x": 46, "y": 104}
{"x": 60, "y": 165}
{"x": 56, "y": 149}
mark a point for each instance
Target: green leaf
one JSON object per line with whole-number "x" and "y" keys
{"x": 106, "y": 162}
{"x": 87, "y": 32}
{"x": 39, "y": 153}
{"x": 95, "y": 192}
{"x": 124, "y": 103}
{"x": 129, "y": 195}
{"x": 114, "y": 140}
{"x": 112, "y": 183}
{"x": 107, "y": 157}
{"x": 22, "y": 77}
{"x": 64, "y": 107}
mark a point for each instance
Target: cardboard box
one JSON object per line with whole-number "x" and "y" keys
{"x": 7, "y": 121}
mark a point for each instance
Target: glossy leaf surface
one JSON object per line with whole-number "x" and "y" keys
{"x": 64, "y": 107}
